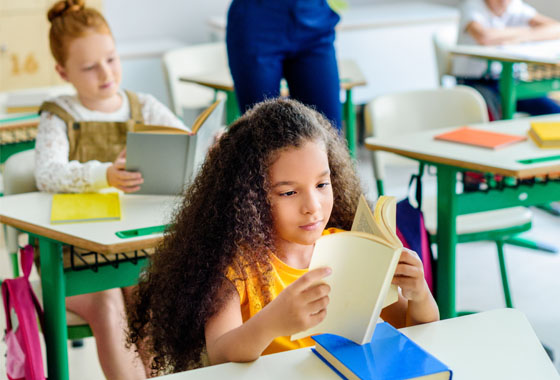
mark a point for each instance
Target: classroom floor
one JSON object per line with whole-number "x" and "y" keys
{"x": 534, "y": 279}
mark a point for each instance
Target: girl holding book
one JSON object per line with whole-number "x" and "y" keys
{"x": 80, "y": 148}
{"x": 234, "y": 264}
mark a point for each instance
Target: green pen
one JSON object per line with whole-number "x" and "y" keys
{"x": 141, "y": 231}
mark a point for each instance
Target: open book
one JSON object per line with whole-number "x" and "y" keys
{"x": 363, "y": 263}
{"x": 168, "y": 157}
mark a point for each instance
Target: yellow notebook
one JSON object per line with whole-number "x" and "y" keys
{"x": 546, "y": 134}
{"x": 72, "y": 208}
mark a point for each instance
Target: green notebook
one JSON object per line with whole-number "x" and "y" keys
{"x": 90, "y": 207}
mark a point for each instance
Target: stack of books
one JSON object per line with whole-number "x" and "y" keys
{"x": 546, "y": 134}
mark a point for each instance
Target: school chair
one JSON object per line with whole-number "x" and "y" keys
{"x": 443, "y": 40}
{"x": 400, "y": 113}
{"x": 189, "y": 99}
{"x": 19, "y": 178}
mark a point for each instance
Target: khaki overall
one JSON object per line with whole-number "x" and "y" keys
{"x": 97, "y": 140}
{"x": 94, "y": 140}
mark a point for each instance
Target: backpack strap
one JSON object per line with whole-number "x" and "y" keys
{"x": 135, "y": 107}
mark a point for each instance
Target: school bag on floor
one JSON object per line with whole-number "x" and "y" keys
{"x": 23, "y": 356}
{"x": 412, "y": 232}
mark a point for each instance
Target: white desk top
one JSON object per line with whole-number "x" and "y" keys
{"x": 350, "y": 76}
{"x": 31, "y": 213}
{"x": 498, "y": 344}
{"x": 421, "y": 145}
{"x": 541, "y": 52}
{"x": 380, "y": 15}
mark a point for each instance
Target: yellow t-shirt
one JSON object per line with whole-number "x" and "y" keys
{"x": 252, "y": 298}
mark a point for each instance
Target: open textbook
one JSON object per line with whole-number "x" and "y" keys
{"x": 168, "y": 157}
{"x": 363, "y": 263}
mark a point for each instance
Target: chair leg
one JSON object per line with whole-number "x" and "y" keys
{"x": 503, "y": 272}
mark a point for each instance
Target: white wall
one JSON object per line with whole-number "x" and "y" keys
{"x": 185, "y": 20}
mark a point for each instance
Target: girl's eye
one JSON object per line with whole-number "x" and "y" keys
{"x": 323, "y": 185}
{"x": 89, "y": 68}
{"x": 287, "y": 194}
{"x": 110, "y": 60}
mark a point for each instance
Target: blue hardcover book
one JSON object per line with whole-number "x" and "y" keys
{"x": 390, "y": 355}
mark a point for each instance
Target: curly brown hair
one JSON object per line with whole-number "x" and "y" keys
{"x": 225, "y": 210}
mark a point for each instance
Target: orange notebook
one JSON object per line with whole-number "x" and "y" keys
{"x": 477, "y": 137}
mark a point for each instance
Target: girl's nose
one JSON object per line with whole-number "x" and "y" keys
{"x": 311, "y": 204}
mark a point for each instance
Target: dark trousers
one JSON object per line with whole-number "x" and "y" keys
{"x": 489, "y": 88}
{"x": 269, "y": 40}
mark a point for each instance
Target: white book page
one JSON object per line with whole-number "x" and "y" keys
{"x": 364, "y": 222}
{"x": 362, "y": 270}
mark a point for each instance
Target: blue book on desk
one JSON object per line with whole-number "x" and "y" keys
{"x": 390, "y": 355}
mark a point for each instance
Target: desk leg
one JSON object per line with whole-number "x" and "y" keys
{"x": 56, "y": 335}
{"x": 350, "y": 119}
{"x": 232, "y": 108}
{"x": 446, "y": 240}
{"x": 507, "y": 91}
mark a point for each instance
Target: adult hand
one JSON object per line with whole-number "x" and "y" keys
{"x": 118, "y": 177}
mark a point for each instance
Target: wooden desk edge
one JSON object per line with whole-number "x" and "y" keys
{"x": 522, "y": 173}
{"x": 125, "y": 246}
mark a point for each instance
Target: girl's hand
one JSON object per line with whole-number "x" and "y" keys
{"x": 118, "y": 177}
{"x": 409, "y": 276}
{"x": 301, "y": 305}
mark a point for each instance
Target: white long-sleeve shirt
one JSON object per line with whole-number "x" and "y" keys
{"x": 55, "y": 173}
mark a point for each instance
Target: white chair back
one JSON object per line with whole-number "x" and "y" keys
{"x": 443, "y": 40}
{"x": 424, "y": 110}
{"x": 19, "y": 177}
{"x": 192, "y": 60}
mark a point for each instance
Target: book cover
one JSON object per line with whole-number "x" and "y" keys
{"x": 545, "y": 134}
{"x": 363, "y": 265}
{"x": 480, "y": 138}
{"x": 89, "y": 207}
{"x": 389, "y": 355}
{"x": 546, "y": 130}
{"x": 169, "y": 158}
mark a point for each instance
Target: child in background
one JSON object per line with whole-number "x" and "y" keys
{"x": 80, "y": 148}
{"x": 81, "y": 139}
{"x": 233, "y": 266}
{"x": 499, "y": 22}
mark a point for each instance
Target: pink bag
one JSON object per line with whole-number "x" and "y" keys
{"x": 23, "y": 358}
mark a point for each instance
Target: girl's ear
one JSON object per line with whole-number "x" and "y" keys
{"x": 61, "y": 71}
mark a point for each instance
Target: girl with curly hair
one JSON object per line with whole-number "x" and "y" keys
{"x": 230, "y": 280}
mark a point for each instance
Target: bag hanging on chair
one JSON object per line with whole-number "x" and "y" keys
{"x": 412, "y": 232}
{"x": 24, "y": 359}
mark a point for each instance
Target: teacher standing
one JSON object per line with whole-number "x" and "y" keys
{"x": 268, "y": 40}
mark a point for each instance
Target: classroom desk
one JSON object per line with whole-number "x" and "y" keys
{"x": 497, "y": 344}
{"x": 350, "y": 77}
{"x": 30, "y": 212}
{"x": 450, "y": 159}
{"x": 512, "y": 89}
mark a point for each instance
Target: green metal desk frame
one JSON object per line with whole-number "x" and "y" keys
{"x": 59, "y": 283}
{"x": 512, "y": 89}
{"x": 450, "y": 205}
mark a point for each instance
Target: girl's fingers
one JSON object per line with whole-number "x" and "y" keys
{"x": 130, "y": 189}
{"x": 408, "y": 270}
{"x": 315, "y": 292}
{"x": 123, "y": 175}
{"x": 310, "y": 278}
{"x": 318, "y": 305}
{"x": 409, "y": 256}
